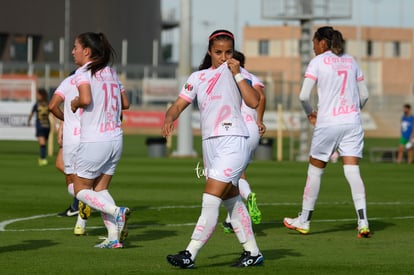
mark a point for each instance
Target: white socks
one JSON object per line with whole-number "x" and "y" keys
{"x": 71, "y": 191}
{"x": 242, "y": 224}
{"x": 354, "y": 179}
{"x": 109, "y": 220}
{"x": 244, "y": 188}
{"x": 205, "y": 225}
{"x": 311, "y": 192}
{"x": 97, "y": 201}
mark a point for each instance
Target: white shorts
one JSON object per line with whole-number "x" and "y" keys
{"x": 69, "y": 156}
{"x": 253, "y": 139}
{"x": 97, "y": 158}
{"x": 225, "y": 158}
{"x": 348, "y": 139}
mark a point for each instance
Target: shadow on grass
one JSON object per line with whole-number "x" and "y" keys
{"x": 141, "y": 236}
{"x": 28, "y": 245}
{"x": 374, "y": 226}
{"x": 269, "y": 255}
{"x": 259, "y": 229}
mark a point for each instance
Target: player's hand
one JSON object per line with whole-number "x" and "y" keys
{"x": 74, "y": 104}
{"x": 262, "y": 128}
{"x": 234, "y": 66}
{"x": 167, "y": 128}
{"x": 312, "y": 118}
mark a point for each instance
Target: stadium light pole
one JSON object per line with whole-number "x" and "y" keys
{"x": 306, "y": 26}
{"x": 185, "y": 131}
{"x": 67, "y": 37}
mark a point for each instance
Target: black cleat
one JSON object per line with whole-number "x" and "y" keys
{"x": 182, "y": 259}
{"x": 70, "y": 212}
{"x": 247, "y": 260}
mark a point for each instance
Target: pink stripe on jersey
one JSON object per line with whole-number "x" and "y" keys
{"x": 224, "y": 113}
{"x": 61, "y": 94}
{"x": 82, "y": 82}
{"x": 311, "y": 76}
{"x": 212, "y": 82}
{"x": 186, "y": 98}
{"x": 360, "y": 78}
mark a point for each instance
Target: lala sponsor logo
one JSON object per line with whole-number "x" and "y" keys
{"x": 345, "y": 108}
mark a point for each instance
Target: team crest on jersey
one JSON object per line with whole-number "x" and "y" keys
{"x": 188, "y": 87}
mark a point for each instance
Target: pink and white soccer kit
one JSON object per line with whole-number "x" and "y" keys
{"x": 338, "y": 121}
{"x": 250, "y": 116}
{"x": 223, "y": 130}
{"x": 71, "y": 126}
{"x": 101, "y": 133}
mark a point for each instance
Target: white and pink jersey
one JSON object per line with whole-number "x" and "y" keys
{"x": 338, "y": 97}
{"x": 101, "y": 119}
{"x": 250, "y": 114}
{"x": 71, "y": 126}
{"x": 219, "y": 101}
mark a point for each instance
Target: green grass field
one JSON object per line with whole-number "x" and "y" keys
{"x": 165, "y": 196}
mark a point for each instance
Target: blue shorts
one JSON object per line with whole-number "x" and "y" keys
{"x": 42, "y": 132}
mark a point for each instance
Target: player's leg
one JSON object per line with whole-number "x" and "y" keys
{"x": 92, "y": 160}
{"x": 310, "y": 196}
{"x": 242, "y": 226}
{"x": 42, "y": 149}
{"x": 321, "y": 149}
{"x": 251, "y": 199}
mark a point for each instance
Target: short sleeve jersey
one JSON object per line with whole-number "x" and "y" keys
{"x": 250, "y": 114}
{"x": 219, "y": 101}
{"x": 337, "y": 82}
{"x": 407, "y": 126}
{"x": 101, "y": 119}
{"x": 71, "y": 126}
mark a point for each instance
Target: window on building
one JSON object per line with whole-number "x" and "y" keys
{"x": 369, "y": 48}
{"x": 19, "y": 47}
{"x": 263, "y": 47}
{"x": 3, "y": 42}
{"x": 396, "y": 48}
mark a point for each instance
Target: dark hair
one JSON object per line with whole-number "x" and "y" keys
{"x": 333, "y": 39}
{"x": 216, "y": 35}
{"x": 239, "y": 56}
{"x": 102, "y": 52}
{"x": 43, "y": 94}
{"x": 408, "y": 106}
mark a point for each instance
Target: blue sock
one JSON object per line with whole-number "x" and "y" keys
{"x": 42, "y": 151}
{"x": 75, "y": 204}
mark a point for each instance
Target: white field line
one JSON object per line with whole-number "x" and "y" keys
{"x": 286, "y": 203}
{"x": 5, "y": 223}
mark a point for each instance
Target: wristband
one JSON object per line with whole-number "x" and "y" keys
{"x": 238, "y": 77}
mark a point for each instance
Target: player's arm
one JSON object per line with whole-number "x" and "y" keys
{"x": 54, "y": 106}
{"x": 260, "y": 109}
{"x": 124, "y": 100}
{"x": 30, "y": 116}
{"x": 59, "y": 135}
{"x": 304, "y": 95}
{"x": 248, "y": 93}
{"x": 172, "y": 114}
{"x": 363, "y": 93}
{"x": 84, "y": 98}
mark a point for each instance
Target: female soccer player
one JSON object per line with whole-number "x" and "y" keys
{"x": 69, "y": 132}
{"x": 341, "y": 93}
{"x": 41, "y": 109}
{"x": 101, "y": 135}
{"x": 254, "y": 122}
{"x": 219, "y": 88}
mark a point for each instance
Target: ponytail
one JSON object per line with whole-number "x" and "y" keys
{"x": 333, "y": 38}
